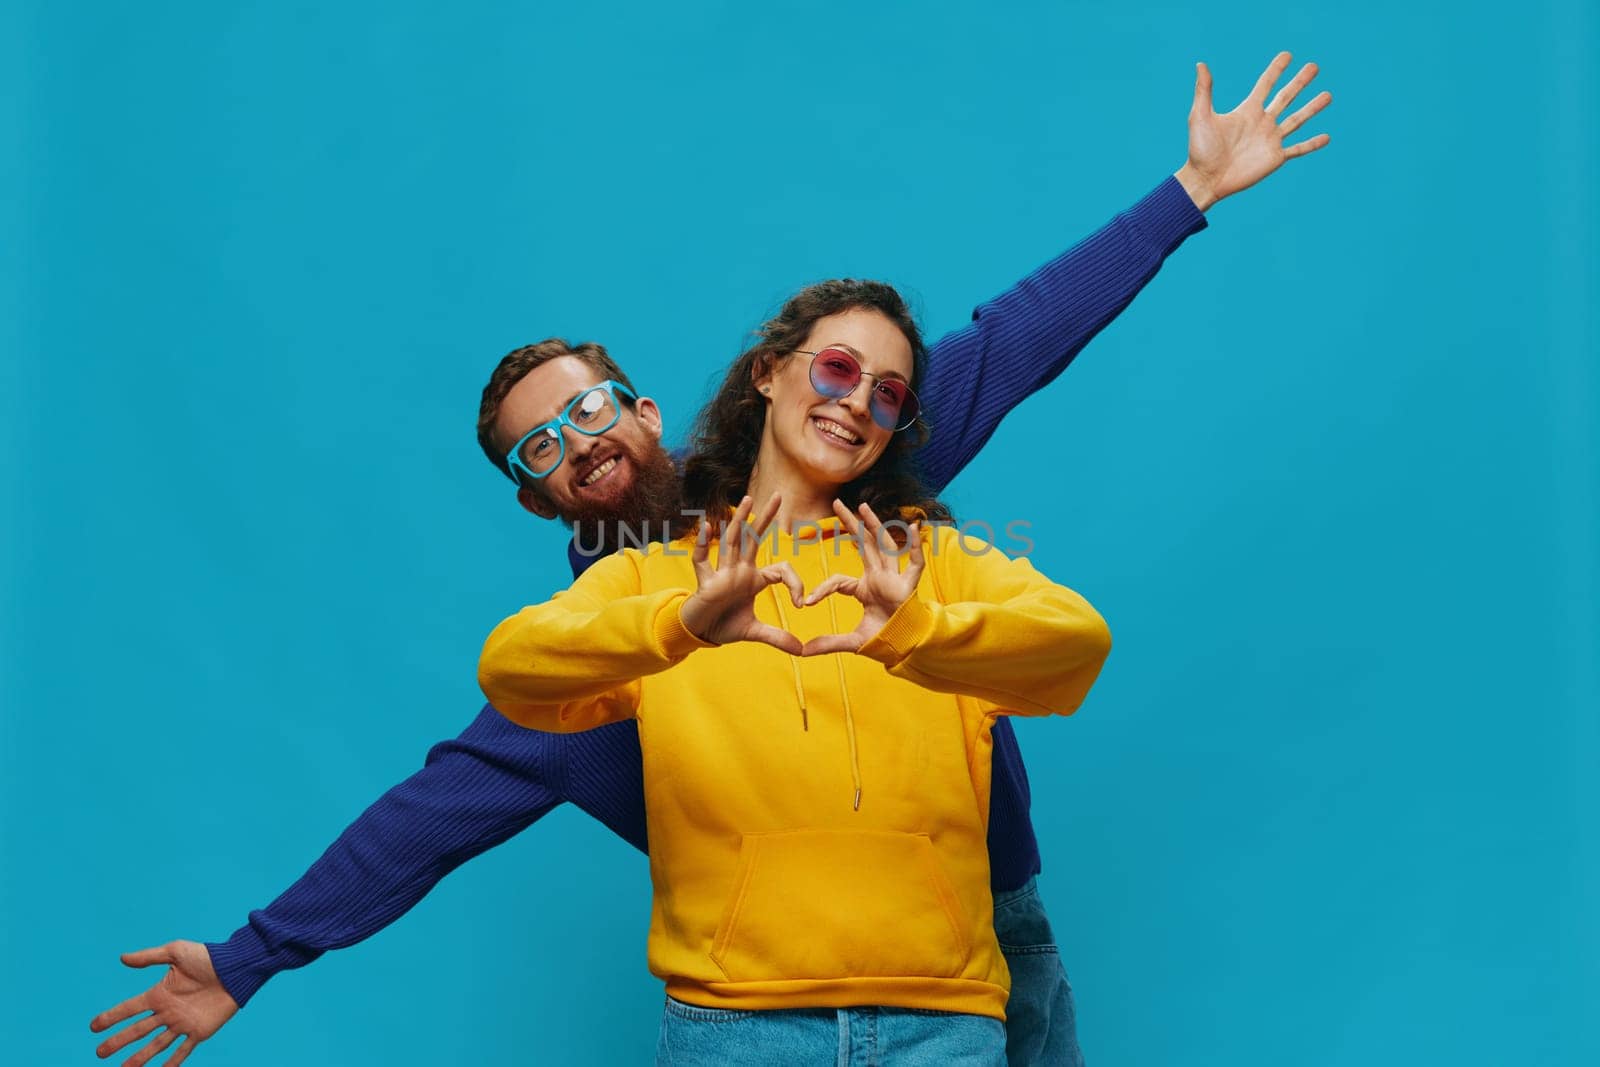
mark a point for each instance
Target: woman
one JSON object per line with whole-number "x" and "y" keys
{"x": 816, "y": 770}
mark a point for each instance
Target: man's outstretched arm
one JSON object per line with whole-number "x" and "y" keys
{"x": 474, "y": 792}
{"x": 1020, "y": 341}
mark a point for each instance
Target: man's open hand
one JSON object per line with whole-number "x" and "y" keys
{"x": 1235, "y": 150}
{"x": 188, "y": 1002}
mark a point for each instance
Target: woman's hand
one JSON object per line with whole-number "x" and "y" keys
{"x": 882, "y": 587}
{"x": 722, "y": 609}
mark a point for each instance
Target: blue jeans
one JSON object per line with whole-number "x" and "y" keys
{"x": 1040, "y": 1027}
{"x": 827, "y": 1037}
{"x": 1041, "y": 1022}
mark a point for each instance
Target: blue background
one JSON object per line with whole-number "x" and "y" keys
{"x": 1333, "y": 480}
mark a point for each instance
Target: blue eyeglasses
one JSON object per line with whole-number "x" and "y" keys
{"x": 592, "y": 412}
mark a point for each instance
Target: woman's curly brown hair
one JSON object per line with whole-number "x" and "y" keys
{"x": 727, "y": 432}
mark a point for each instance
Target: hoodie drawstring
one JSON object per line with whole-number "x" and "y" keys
{"x": 844, "y": 691}
{"x": 794, "y": 662}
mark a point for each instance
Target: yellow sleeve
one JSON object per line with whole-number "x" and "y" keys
{"x": 574, "y": 662}
{"x": 995, "y": 629}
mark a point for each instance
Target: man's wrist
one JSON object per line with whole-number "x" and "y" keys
{"x": 1198, "y": 188}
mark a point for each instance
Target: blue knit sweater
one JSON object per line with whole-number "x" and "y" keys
{"x": 497, "y": 779}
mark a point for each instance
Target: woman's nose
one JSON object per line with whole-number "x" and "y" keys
{"x": 859, "y": 399}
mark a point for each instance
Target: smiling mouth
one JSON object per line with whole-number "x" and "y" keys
{"x": 600, "y": 472}
{"x": 835, "y": 432}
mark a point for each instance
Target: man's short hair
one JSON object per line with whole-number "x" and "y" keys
{"x": 515, "y": 366}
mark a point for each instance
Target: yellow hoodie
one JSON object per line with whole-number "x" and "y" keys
{"x": 818, "y": 826}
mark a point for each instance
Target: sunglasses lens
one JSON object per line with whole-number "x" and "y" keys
{"x": 894, "y": 405}
{"x": 834, "y": 372}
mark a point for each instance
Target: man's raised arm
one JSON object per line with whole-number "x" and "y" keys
{"x": 1021, "y": 340}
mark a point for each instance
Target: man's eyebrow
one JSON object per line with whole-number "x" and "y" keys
{"x": 896, "y": 375}
{"x": 567, "y": 403}
{"x": 562, "y": 409}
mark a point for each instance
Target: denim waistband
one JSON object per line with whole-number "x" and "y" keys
{"x": 1006, "y": 896}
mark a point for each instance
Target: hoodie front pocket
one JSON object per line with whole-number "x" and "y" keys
{"x": 819, "y": 904}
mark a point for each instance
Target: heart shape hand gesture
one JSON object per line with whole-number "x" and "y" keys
{"x": 882, "y": 587}
{"x": 722, "y": 608}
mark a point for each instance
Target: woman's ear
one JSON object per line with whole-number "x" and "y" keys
{"x": 761, "y": 375}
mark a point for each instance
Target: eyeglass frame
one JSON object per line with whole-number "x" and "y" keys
{"x": 862, "y": 373}
{"x": 514, "y": 461}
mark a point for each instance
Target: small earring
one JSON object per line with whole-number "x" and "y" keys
{"x": 765, "y": 390}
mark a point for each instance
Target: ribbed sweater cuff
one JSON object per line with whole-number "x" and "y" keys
{"x": 907, "y": 628}
{"x": 672, "y": 636}
{"x": 243, "y": 963}
{"x": 1166, "y": 216}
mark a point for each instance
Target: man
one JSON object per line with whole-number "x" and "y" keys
{"x": 496, "y": 779}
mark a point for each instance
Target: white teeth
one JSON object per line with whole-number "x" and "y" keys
{"x": 599, "y": 472}
{"x": 833, "y": 429}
